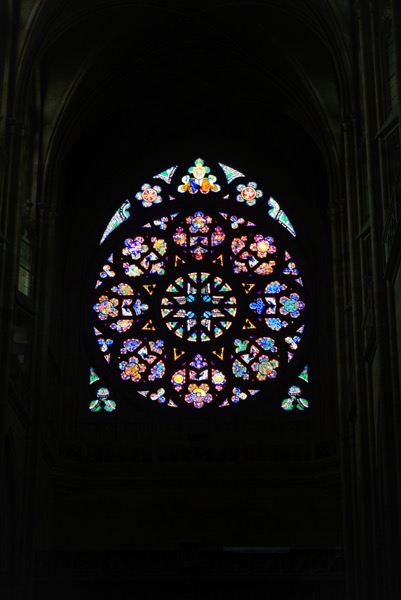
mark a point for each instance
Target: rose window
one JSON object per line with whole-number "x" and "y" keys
{"x": 199, "y": 299}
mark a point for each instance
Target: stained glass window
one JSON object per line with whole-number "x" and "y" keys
{"x": 199, "y": 299}
{"x": 25, "y": 264}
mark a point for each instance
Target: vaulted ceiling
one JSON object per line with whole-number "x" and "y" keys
{"x": 118, "y": 87}
{"x": 185, "y": 69}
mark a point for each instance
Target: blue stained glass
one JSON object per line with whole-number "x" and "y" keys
{"x": 240, "y": 370}
{"x": 258, "y": 306}
{"x": 267, "y": 343}
{"x": 276, "y": 324}
{"x": 275, "y": 287}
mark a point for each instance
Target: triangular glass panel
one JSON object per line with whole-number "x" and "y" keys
{"x": 149, "y": 326}
{"x": 150, "y": 288}
{"x": 166, "y": 175}
{"x": 219, "y": 260}
{"x": 178, "y": 353}
{"x": 92, "y": 376}
{"x": 172, "y": 404}
{"x": 219, "y": 353}
{"x": 178, "y": 261}
{"x": 248, "y": 287}
{"x": 231, "y": 173}
{"x": 225, "y": 403}
{"x": 248, "y": 325}
{"x": 304, "y": 375}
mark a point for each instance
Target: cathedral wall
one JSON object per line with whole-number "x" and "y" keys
{"x": 397, "y": 298}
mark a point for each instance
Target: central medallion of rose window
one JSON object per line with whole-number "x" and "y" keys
{"x": 199, "y": 307}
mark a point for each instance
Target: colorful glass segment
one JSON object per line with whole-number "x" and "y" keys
{"x": 166, "y": 175}
{"x": 249, "y": 193}
{"x": 231, "y": 173}
{"x": 279, "y": 215}
{"x": 295, "y": 392}
{"x": 149, "y": 195}
{"x": 102, "y": 401}
{"x": 121, "y": 215}
{"x": 199, "y": 180}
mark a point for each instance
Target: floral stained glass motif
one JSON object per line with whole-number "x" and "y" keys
{"x": 295, "y": 393}
{"x": 202, "y": 308}
{"x": 199, "y": 180}
{"x": 199, "y": 234}
{"x": 149, "y": 195}
{"x": 147, "y": 253}
{"x": 249, "y": 193}
{"x": 102, "y": 401}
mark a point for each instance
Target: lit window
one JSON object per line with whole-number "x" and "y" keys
{"x": 199, "y": 300}
{"x": 25, "y": 265}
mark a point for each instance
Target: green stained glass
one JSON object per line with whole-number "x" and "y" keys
{"x": 166, "y": 175}
{"x": 231, "y": 173}
{"x": 279, "y": 215}
{"x": 304, "y": 374}
{"x": 92, "y": 376}
{"x": 119, "y": 217}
